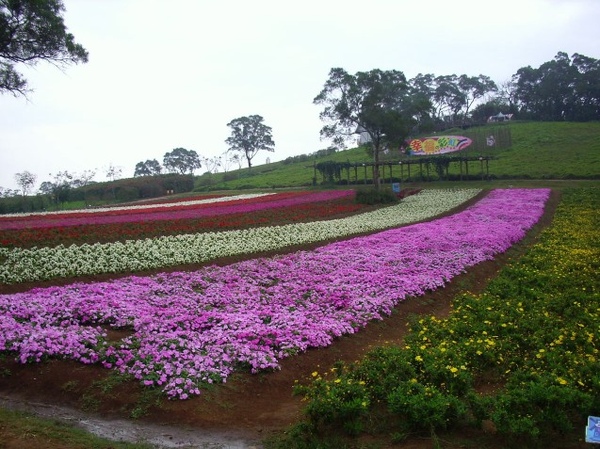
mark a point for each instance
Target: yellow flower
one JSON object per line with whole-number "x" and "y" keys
{"x": 419, "y": 358}
{"x": 314, "y": 374}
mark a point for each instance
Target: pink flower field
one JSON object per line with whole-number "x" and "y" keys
{"x": 187, "y": 329}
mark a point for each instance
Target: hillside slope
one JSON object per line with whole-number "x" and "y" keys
{"x": 539, "y": 150}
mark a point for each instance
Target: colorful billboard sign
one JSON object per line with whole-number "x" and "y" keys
{"x": 430, "y": 146}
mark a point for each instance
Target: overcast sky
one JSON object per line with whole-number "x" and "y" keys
{"x": 164, "y": 74}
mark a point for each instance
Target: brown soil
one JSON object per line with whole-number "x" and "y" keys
{"x": 254, "y": 406}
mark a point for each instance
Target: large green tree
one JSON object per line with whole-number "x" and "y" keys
{"x": 474, "y": 88}
{"x": 378, "y": 104}
{"x": 447, "y": 99}
{"x": 182, "y": 161}
{"x": 587, "y": 88}
{"x": 249, "y": 135}
{"x": 33, "y": 31}
{"x": 150, "y": 167}
{"x": 451, "y": 96}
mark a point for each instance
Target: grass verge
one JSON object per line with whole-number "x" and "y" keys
{"x": 19, "y": 430}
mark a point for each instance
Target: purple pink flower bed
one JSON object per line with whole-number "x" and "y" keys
{"x": 188, "y": 328}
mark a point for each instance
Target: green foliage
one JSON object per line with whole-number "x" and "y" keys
{"x": 331, "y": 170}
{"x": 304, "y": 436}
{"x": 249, "y": 135}
{"x": 382, "y": 368}
{"x": 379, "y": 105}
{"x": 384, "y": 196}
{"x": 562, "y": 89}
{"x": 32, "y": 31}
{"x": 340, "y": 403}
{"x": 149, "y": 397}
{"x": 531, "y": 405}
{"x": 109, "y": 387}
{"x": 92, "y": 398}
{"x": 133, "y": 188}
{"x": 150, "y": 167}
{"x": 426, "y": 407}
{"x": 96, "y": 194}
{"x": 16, "y": 204}
{"x": 182, "y": 161}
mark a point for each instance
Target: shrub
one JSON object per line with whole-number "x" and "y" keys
{"x": 230, "y": 176}
{"x": 426, "y": 406}
{"x": 127, "y": 193}
{"x": 338, "y": 404}
{"x": 536, "y": 408}
{"x": 384, "y": 196}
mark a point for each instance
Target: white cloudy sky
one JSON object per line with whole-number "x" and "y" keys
{"x": 164, "y": 74}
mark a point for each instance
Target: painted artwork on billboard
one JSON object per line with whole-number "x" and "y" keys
{"x": 430, "y": 146}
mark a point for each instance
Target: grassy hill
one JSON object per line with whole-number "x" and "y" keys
{"x": 551, "y": 151}
{"x": 538, "y": 150}
{"x": 529, "y": 153}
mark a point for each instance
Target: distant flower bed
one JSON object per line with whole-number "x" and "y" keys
{"x": 173, "y": 211}
{"x": 35, "y": 264}
{"x": 198, "y": 327}
{"x": 172, "y": 203}
{"x": 221, "y": 216}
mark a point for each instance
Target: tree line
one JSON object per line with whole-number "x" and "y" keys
{"x": 249, "y": 135}
{"x": 384, "y": 108}
{"x": 73, "y": 193}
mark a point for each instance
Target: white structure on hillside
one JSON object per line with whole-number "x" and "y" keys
{"x": 500, "y": 117}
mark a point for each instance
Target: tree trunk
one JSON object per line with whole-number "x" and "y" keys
{"x": 376, "y": 167}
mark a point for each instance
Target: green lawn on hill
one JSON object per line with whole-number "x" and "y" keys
{"x": 539, "y": 150}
